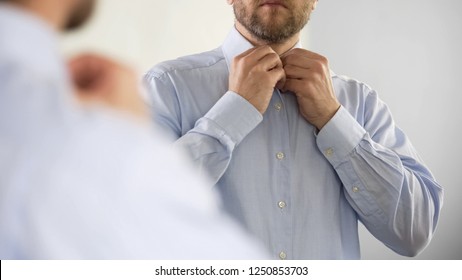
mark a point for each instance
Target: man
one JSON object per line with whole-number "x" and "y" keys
{"x": 298, "y": 153}
{"x": 89, "y": 179}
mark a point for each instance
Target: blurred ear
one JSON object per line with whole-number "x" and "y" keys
{"x": 314, "y": 4}
{"x": 230, "y": 2}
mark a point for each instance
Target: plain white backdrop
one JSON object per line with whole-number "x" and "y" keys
{"x": 409, "y": 51}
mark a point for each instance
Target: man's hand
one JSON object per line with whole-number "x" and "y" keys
{"x": 254, "y": 75}
{"x": 308, "y": 76}
{"x": 101, "y": 81}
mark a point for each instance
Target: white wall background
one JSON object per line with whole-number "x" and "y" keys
{"x": 145, "y": 32}
{"x": 408, "y": 50}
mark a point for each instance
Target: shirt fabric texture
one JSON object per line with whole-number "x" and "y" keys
{"x": 302, "y": 193}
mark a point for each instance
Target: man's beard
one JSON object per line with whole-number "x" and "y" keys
{"x": 80, "y": 15}
{"x": 273, "y": 32}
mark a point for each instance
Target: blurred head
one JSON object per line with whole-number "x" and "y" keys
{"x": 80, "y": 13}
{"x": 72, "y": 13}
{"x": 273, "y": 21}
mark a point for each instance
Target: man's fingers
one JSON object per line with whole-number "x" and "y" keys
{"x": 83, "y": 63}
{"x": 296, "y": 72}
{"x": 87, "y": 72}
{"x": 304, "y": 62}
{"x": 280, "y": 85}
{"x": 292, "y": 85}
{"x": 262, "y": 51}
{"x": 98, "y": 80}
{"x": 304, "y": 53}
{"x": 306, "y": 59}
{"x": 254, "y": 55}
{"x": 279, "y": 76}
{"x": 270, "y": 61}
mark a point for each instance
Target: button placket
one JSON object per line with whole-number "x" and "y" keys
{"x": 282, "y": 159}
{"x": 278, "y": 106}
{"x": 280, "y": 156}
{"x": 282, "y": 204}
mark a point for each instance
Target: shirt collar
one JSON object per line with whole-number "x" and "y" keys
{"x": 235, "y": 44}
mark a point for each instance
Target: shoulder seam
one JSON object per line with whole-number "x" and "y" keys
{"x": 351, "y": 80}
{"x": 153, "y": 73}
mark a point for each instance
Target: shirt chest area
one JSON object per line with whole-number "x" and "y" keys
{"x": 281, "y": 150}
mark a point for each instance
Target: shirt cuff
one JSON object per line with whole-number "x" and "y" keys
{"x": 339, "y": 137}
{"x": 231, "y": 119}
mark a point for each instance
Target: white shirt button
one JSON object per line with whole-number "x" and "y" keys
{"x": 282, "y": 204}
{"x": 355, "y": 189}
{"x": 280, "y": 156}
{"x": 282, "y": 256}
{"x": 329, "y": 152}
{"x": 278, "y": 106}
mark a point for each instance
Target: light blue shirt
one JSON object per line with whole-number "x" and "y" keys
{"x": 300, "y": 192}
{"x": 78, "y": 183}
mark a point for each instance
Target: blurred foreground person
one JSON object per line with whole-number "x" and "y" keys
{"x": 88, "y": 179}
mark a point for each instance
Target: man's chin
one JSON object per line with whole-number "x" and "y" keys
{"x": 273, "y": 19}
{"x": 272, "y": 27}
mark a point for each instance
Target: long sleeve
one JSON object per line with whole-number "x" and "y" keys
{"x": 393, "y": 193}
{"x": 302, "y": 194}
{"x": 213, "y": 137}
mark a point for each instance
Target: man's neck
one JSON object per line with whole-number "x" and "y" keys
{"x": 279, "y": 48}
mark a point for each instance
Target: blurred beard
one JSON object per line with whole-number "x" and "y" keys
{"x": 273, "y": 32}
{"x": 80, "y": 15}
